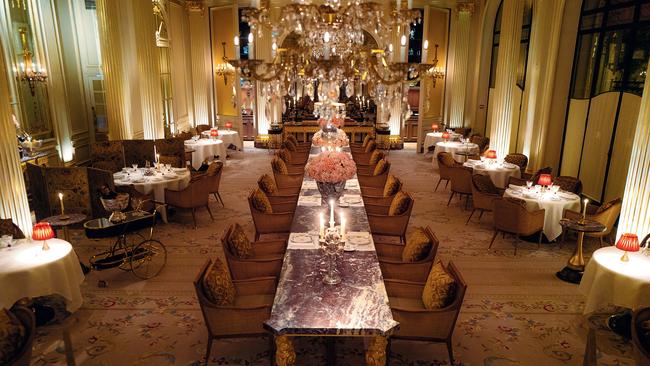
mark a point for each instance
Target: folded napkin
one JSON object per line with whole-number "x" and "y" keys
{"x": 515, "y": 187}
{"x": 509, "y": 165}
{"x": 352, "y": 184}
{"x": 302, "y": 241}
{"x": 351, "y": 200}
{"x": 309, "y": 184}
{"x": 309, "y": 200}
{"x": 359, "y": 240}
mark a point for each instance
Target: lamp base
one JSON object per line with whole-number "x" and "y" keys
{"x": 64, "y": 217}
{"x": 625, "y": 258}
{"x": 45, "y": 246}
{"x": 568, "y": 274}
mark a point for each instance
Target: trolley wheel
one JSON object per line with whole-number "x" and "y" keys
{"x": 148, "y": 258}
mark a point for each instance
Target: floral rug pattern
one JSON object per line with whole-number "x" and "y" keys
{"x": 515, "y": 312}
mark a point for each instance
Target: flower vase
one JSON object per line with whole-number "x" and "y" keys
{"x": 330, "y": 191}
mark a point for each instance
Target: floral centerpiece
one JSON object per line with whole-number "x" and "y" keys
{"x": 331, "y": 169}
{"x": 338, "y": 140}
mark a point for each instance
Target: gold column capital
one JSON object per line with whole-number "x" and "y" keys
{"x": 466, "y": 7}
{"x": 195, "y": 6}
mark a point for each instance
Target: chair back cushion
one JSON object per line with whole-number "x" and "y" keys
{"x": 482, "y": 141}
{"x": 239, "y": 244}
{"x": 214, "y": 168}
{"x": 217, "y": 284}
{"x": 381, "y": 167}
{"x": 372, "y": 146}
{"x": 440, "y": 288}
{"x": 292, "y": 138}
{"x": 12, "y": 336}
{"x": 279, "y": 166}
{"x": 520, "y": 160}
{"x": 289, "y": 145}
{"x": 569, "y": 184}
{"x": 375, "y": 157}
{"x": 284, "y": 155}
{"x": 445, "y": 159}
{"x": 400, "y": 204}
{"x": 607, "y": 205}
{"x": 484, "y": 184}
{"x": 417, "y": 246}
{"x": 366, "y": 140}
{"x": 172, "y": 160}
{"x": 392, "y": 186}
{"x": 7, "y": 227}
{"x": 260, "y": 202}
{"x": 267, "y": 184}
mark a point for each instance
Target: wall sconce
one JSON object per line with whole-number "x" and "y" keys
{"x": 27, "y": 71}
{"x": 436, "y": 72}
{"x": 224, "y": 69}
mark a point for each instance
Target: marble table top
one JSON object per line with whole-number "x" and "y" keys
{"x": 304, "y": 305}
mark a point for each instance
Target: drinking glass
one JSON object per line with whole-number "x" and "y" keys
{"x": 529, "y": 183}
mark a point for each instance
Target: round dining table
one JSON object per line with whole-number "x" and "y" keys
{"x": 554, "y": 205}
{"x": 499, "y": 173}
{"x": 609, "y": 281}
{"x": 454, "y": 148}
{"x": 174, "y": 179}
{"x": 432, "y": 138}
{"x": 229, "y": 137}
{"x": 26, "y": 270}
{"x": 206, "y": 149}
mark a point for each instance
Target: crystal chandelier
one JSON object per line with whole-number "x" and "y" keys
{"x": 332, "y": 51}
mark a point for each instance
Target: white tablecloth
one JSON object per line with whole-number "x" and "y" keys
{"x": 155, "y": 184}
{"x": 28, "y": 271}
{"x": 554, "y": 206}
{"x": 432, "y": 138}
{"x": 608, "y": 280}
{"x": 228, "y": 137}
{"x": 205, "y": 149}
{"x": 499, "y": 173}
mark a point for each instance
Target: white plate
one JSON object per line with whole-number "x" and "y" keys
{"x": 358, "y": 239}
{"x": 301, "y": 238}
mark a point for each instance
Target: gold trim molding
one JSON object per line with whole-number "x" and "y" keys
{"x": 197, "y": 6}
{"x": 465, "y": 7}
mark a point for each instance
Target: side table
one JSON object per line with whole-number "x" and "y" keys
{"x": 575, "y": 267}
{"x": 63, "y": 222}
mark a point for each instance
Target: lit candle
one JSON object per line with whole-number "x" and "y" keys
{"x": 332, "y": 214}
{"x": 402, "y": 50}
{"x": 61, "y": 201}
{"x": 321, "y": 227}
{"x": 155, "y": 153}
{"x": 251, "y": 48}
{"x": 584, "y": 210}
{"x": 157, "y": 158}
{"x": 326, "y": 39}
{"x": 274, "y": 48}
{"x": 342, "y": 218}
{"x": 236, "y": 41}
{"x": 425, "y": 50}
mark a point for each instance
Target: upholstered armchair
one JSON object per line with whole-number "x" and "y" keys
{"x": 607, "y": 214}
{"x": 171, "y": 151}
{"x": 299, "y": 153}
{"x": 391, "y": 220}
{"x": 482, "y": 142}
{"x": 519, "y": 160}
{"x": 214, "y": 172}
{"x": 483, "y": 194}
{"x": 382, "y": 196}
{"x": 201, "y": 128}
{"x": 461, "y": 183}
{"x": 292, "y": 138}
{"x": 445, "y": 163}
{"x": 283, "y": 178}
{"x": 640, "y": 336}
{"x": 23, "y": 355}
{"x": 245, "y": 317}
{"x": 267, "y": 183}
{"x": 138, "y": 152}
{"x": 394, "y": 267}
{"x": 364, "y": 156}
{"x": 107, "y": 155}
{"x": 195, "y": 195}
{"x": 291, "y": 168}
{"x": 377, "y": 178}
{"x": 512, "y": 217}
{"x": 418, "y": 323}
{"x": 7, "y": 227}
{"x": 270, "y": 218}
{"x": 368, "y": 167}
{"x": 361, "y": 146}
{"x": 266, "y": 261}
{"x": 569, "y": 184}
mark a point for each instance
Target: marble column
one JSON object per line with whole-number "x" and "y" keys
{"x": 13, "y": 194}
{"x": 506, "y": 76}
{"x": 635, "y": 213}
{"x": 200, "y": 56}
{"x": 461, "y": 54}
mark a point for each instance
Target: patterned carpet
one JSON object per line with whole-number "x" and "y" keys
{"x": 515, "y": 312}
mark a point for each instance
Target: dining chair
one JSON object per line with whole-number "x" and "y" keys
{"x": 297, "y": 168}
{"x": 372, "y": 158}
{"x": 291, "y": 137}
{"x": 641, "y": 335}
{"x": 445, "y": 163}
{"x": 606, "y": 214}
{"x": 519, "y": 160}
{"x": 384, "y": 195}
{"x": 202, "y": 128}
{"x": 512, "y": 217}
{"x": 377, "y": 178}
{"x": 391, "y": 220}
{"x": 194, "y": 196}
{"x": 364, "y": 155}
{"x": 463, "y": 131}
{"x": 171, "y": 151}
{"x": 483, "y": 194}
{"x": 529, "y": 177}
{"x": 244, "y": 318}
{"x": 214, "y": 173}
{"x": 394, "y": 261}
{"x": 22, "y": 353}
{"x": 267, "y": 183}
{"x": 361, "y": 147}
{"x": 417, "y": 323}
{"x": 268, "y": 217}
{"x": 461, "y": 183}
{"x": 369, "y": 166}
{"x": 482, "y": 142}
{"x": 569, "y": 184}
{"x": 264, "y": 260}
{"x": 107, "y": 155}
{"x": 7, "y": 227}
{"x": 283, "y": 178}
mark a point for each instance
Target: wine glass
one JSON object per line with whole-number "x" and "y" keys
{"x": 134, "y": 166}
{"x": 529, "y": 184}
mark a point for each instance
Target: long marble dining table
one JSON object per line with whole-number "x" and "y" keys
{"x": 305, "y": 306}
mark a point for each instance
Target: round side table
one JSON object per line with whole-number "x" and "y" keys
{"x": 575, "y": 267}
{"x": 63, "y": 222}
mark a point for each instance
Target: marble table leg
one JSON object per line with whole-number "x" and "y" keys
{"x": 376, "y": 353}
{"x": 285, "y": 355}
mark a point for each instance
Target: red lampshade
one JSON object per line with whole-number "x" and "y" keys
{"x": 445, "y": 135}
{"x": 628, "y": 243}
{"x": 434, "y": 127}
{"x": 545, "y": 180}
{"x": 214, "y": 132}
{"x": 491, "y": 154}
{"x": 42, "y": 231}
{"x": 228, "y": 125}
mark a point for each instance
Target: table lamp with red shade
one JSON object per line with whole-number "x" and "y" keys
{"x": 434, "y": 127}
{"x": 228, "y": 125}
{"x": 545, "y": 180}
{"x": 491, "y": 154}
{"x": 445, "y": 136}
{"x": 214, "y": 132}
{"x": 43, "y": 232}
{"x": 627, "y": 243}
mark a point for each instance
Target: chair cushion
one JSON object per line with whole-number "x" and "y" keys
{"x": 375, "y": 157}
{"x": 392, "y": 186}
{"x": 520, "y": 160}
{"x": 261, "y": 202}
{"x": 440, "y": 288}
{"x": 417, "y": 246}
{"x": 12, "y": 336}
{"x": 290, "y": 145}
{"x": 381, "y": 167}
{"x": 607, "y": 205}
{"x": 214, "y": 168}
{"x": 217, "y": 284}
{"x": 239, "y": 244}
{"x": 279, "y": 166}
{"x": 284, "y": 155}
{"x": 484, "y": 184}
{"x": 366, "y": 140}
{"x": 370, "y": 147}
{"x": 292, "y": 138}
{"x": 446, "y": 159}
{"x": 267, "y": 184}
{"x": 400, "y": 204}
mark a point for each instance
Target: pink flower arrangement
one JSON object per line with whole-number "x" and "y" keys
{"x": 340, "y": 140}
{"x": 331, "y": 167}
